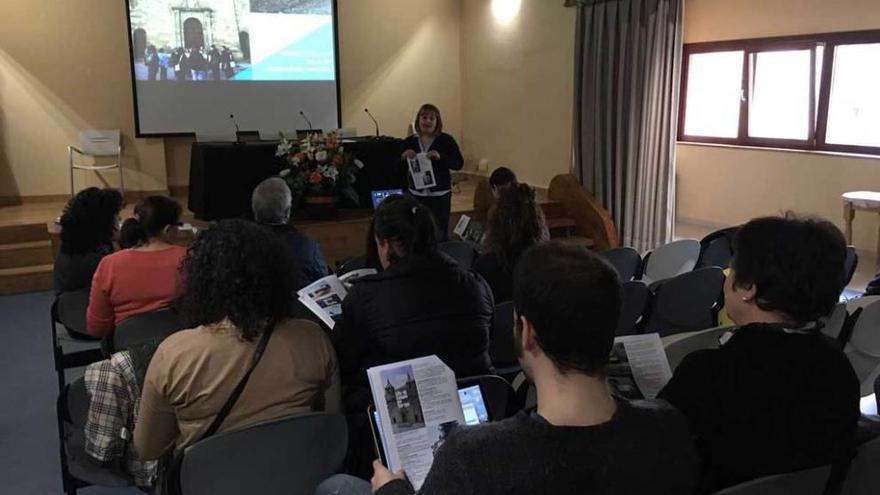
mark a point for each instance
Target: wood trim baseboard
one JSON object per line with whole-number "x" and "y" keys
{"x": 130, "y": 196}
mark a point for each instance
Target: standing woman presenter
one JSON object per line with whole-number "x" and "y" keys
{"x": 442, "y": 151}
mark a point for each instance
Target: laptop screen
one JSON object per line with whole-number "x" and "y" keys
{"x": 472, "y": 405}
{"x": 379, "y": 196}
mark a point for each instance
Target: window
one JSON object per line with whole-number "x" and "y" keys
{"x": 818, "y": 92}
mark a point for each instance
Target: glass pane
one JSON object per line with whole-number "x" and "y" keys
{"x": 780, "y": 102}
{"x": 854, "y": 107}
{"x": 713, "y": 94}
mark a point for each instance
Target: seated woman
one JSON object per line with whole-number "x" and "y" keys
{"x": 500, "y": 179}
{"x": 236, "y": 289}
{"x": 88, "y": 226}
{"x": 422, "y": 303}
{"x": 140, "y": 279}
{"x": 516, "y": 223}
{"x": 777, "y": 396}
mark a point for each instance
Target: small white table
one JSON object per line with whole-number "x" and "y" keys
{"x": 860, "y": 200}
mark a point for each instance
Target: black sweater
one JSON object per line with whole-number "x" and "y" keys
{"x": 450, "y": 159}
{"x": 766, "y": 402}
{"x": 644, "y": 449}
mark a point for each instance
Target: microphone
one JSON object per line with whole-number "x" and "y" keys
{"x": 367, "y": 110}
{"x": 306, "y": 119}
{"x": 237, "y": 130}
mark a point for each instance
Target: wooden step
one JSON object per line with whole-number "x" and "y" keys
{"x": 579, "y": 241}
{"x": 25, "y": 279}
{"x": 25, "y": 254}
{"x": 28, "y": 232}
{"x": 560, "y": 223}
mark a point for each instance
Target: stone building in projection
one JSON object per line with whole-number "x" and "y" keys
{"x": 190, "y": 24}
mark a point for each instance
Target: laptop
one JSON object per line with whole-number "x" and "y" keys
{"x": 379, "y": 196}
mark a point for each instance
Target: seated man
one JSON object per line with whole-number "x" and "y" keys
{"x": 580, "y": 439}
{"x": 271, "y": 203}
{"x": 777, "y": 396}
{"x": 501, "y": 179}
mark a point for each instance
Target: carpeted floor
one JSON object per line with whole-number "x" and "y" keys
{"x": 29, "y": 462}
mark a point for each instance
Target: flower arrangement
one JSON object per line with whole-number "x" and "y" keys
{"x": 318, "y": 165}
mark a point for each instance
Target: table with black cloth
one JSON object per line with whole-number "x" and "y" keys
{"x": 222, "y": 176}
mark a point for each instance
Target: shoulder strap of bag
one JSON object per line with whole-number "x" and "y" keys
{"x": 258, "y": 354}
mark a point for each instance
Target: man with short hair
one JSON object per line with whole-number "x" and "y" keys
{"x": 271, "y": 203}
{"x": 501, "y": 178}
{"x": 581, "y": 439}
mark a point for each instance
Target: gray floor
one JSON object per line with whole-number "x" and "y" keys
{"x": 28, "y": 435}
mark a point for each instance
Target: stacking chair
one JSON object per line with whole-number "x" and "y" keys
{"x": 352, "y": 264}
{"x": 678, "y": 346}
{"x": 501, "y": 350}
{"x": 670, "y": 260}
{"x": 289, "y": 456}
{"x": 863, "y": 347}
{"x": 143, "y": 327}
{"x": 69, "y": 310}
{"x": 849, "y": 265}
{"x": 461, "y": 251}
{"x": 633, "y": 301}
{"x": 96, "y": 143}
{"x": 716, "y": 249}
{"x": 806, "y": 482}
{"x": 497, "y": 393}
{"x": 833, "y": 324}
{"x": 863, "y": 477}
{"x": 625, "y": 260}
{"x": 686, "y": 303}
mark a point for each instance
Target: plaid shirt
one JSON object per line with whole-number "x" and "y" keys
{"x": 114, "y": 399}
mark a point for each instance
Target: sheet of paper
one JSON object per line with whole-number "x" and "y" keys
{"x": 647, "y": 360}
{"x": 422, "y": 171}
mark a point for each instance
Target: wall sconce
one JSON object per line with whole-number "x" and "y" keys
{"x": 505, "y": 11}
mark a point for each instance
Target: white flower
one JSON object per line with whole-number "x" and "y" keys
{"x": 283, "y": 148}
{"x": 328, "y": 171}
{"x": 285, "y": 172}
{"x": 321, "y": 156}
{"x": 359, "y": 163}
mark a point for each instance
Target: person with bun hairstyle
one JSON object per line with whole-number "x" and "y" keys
{"x": 143, "y": 278}
{"x": 445, "y": 156}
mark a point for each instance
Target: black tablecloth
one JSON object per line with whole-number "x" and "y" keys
{"x": 222, "y": 176}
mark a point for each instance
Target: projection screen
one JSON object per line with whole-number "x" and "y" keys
{"x": 196, "y": 62}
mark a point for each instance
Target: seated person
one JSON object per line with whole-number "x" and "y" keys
{"x": 140, "y": 279}
{"x": 581, "y": 439}
{"x": 422, "y": 303}
{"x": 271, "y": 203}
{"x": 500, "y": 179}
{"x": 777, "y": 396}
{"x": 516, "y": 223}
{"x": 88, "y": 226}
{"x": 194, "y": 371}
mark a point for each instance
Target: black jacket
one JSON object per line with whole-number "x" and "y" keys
{"x": 499, "y": 278}
{"x": 450, "y": 159}
{"x": 420, "y": 305}
{"x": 768, "y": 401}
{"x": 305, "y": 253}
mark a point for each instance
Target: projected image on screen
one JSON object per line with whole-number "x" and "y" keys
{"x": 232, "y": 40}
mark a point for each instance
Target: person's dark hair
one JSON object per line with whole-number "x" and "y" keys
{"x": 236, "y": 269}
{"x": 407, "y": 224}
{"x": 500, "y": 177}
{"x": 152, "y": 215}
{"x": 794, "y": 263}
{"x": 131, "y": 234}
{"x": 429, "y": 108}
{"x": 89, "y": 220}
{"x": 516, "y": 223}
{"x": 572, "y": 299}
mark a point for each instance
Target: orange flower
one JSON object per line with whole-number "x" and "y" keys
{"x": 315, "y": 178}
{"x": 338, "y": 161}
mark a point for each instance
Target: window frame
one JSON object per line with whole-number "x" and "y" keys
{"x": 818, "y": 107}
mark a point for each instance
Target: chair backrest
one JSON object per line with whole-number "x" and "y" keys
{"x": 99, "y": 142}
{"x": 497, "y": 393}
{"x": 806, "y": 482}
{"x": 863, "y": 477}
{"x": 352, "y": 264}
{"x": 716, "y": 249}
{"x": 833, "y": 324}
{"x": 289, "y": 456}
{"x": 633, "y": 301}
{"x": 849, "y": 265}
{"x": 501, "y": 349}
{"x": 462, "y": 252}
{"x": 671, "y": 260}
{"x": 678, "y": 346}
{"x": 863, "y": 348}
{"x": 686, "y": 303}
{"x": 70, "y": 309}
{"x": 145, "y": 326}
{"x": 625, "y": 260}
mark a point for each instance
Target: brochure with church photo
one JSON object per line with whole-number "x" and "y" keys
{"x": 421, "y": 171}
{"x": 418, "y": 406}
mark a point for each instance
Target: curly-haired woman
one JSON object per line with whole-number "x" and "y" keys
{"x": 88, "y": 225}
{"x": 516, "y": 223}
{"x": 236, "y": 289}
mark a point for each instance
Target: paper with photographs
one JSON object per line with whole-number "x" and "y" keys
{"x": 469, "y": 229}
{"x": 418, "y": 407}
{"x": 638, "y": 367}
{"x": 324, "y": 298}
{"x": 421, "y": 171}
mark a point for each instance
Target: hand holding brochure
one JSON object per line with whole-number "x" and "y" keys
{"x": 418, "y": 405}
{"x": 469, "y": 229}
{"x": 324, "y": 297}
{"x": 422, "y": 171}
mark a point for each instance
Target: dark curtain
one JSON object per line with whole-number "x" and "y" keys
{"x": 627, "y": 64}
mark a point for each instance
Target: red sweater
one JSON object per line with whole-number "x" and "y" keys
{"x": 131, "y": 282}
